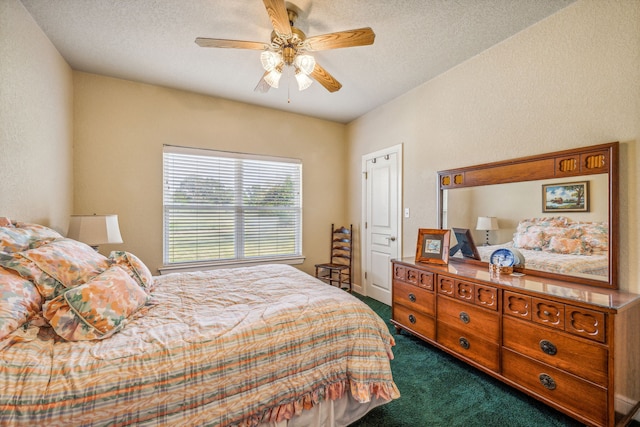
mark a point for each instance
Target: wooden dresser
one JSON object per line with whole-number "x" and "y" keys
{"x": 571, "y": 346}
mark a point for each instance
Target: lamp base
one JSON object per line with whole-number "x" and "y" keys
{"x": 486, "y": 243}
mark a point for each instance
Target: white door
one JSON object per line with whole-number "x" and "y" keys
{"x": 382, "y": 190}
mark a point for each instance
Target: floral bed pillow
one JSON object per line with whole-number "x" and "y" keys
{"x": 19, "y": 301}
{"x": 135, "y": 267}
{"x": 57, "y": 265}
{"x": 96, "y": 309}
{"x": 22, "y": 236}
{"x": 12, "y": 240}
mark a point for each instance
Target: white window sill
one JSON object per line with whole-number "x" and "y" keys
{"x": 196, "y": 266}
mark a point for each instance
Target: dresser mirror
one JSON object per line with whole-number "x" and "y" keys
{"x": 559, "y": 210}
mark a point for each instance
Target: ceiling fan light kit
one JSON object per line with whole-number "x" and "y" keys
{"x": 289, "y": 47}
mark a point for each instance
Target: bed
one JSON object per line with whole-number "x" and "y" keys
{"x": 93, "y": 340}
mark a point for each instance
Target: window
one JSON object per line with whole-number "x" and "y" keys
{"x": 228, "y": 207}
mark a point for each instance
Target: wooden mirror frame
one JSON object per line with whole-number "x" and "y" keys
{"x": 596, "y": 159}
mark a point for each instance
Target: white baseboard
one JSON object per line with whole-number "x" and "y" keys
{"x": 624, "y": 405}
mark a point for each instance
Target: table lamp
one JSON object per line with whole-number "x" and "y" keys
{"x": 487, "y": 223}
{"x": 95, "y": 230}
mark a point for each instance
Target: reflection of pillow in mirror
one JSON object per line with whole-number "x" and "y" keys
{"x": 563, "y": 245}
{"x": 533, "y": 240}
{"x": 552, "y": 221}
{"x": 566, "y": 232}
{"x": 595, "y": 234}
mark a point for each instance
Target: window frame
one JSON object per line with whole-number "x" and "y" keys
{"x": 239, "y": 207}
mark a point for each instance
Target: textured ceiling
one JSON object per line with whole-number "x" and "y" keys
{"x": 152, "y": 41}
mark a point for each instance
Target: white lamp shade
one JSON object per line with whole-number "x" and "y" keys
{"x": 487, "y": 223}
{"x": 95, "y": 230}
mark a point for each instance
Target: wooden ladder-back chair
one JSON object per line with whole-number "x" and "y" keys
{"x": 337, "y": 272}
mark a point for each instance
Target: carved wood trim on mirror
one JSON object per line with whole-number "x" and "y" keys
{"x": 479, "y": 190}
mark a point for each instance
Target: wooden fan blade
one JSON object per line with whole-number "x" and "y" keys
{"x": 262, "y": 86}
{"x": 279, "y": 17}
{"x": 350, "y": 38}
{"x": 323, "y": 77}
{"x": 234, "y": 44}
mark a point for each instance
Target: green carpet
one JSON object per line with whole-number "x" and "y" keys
{"x": 438, "y": 390}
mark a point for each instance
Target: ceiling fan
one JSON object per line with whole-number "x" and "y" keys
{"x": 290, "y": 47}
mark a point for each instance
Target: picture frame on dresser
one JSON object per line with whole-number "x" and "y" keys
{"x": 465, "y": 244}
{"x": 433, "y": 246}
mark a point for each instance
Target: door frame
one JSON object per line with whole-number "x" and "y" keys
{"x": 398, "y": 150}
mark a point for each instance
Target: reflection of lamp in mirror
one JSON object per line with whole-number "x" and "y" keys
{"x": 94, "y": 229}
{"x": 487, "y": 223}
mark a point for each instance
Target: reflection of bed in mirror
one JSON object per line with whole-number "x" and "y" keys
{"x": 576, "y": 265}
{"x": 560, "y": 245}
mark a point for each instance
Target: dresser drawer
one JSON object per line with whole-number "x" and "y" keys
{"x": 423, "y": 279}
{"x": 414, "y": 298}
{"x": 575, "y": 320}
{"x": 416, "y": 321}
{"x": 580, "y": 396}
{"x": 469, "y": 345}
{"x": 585, "y": 323}
{"x": 517, "y": 305}
{"x": 475, "y": 293}
{"x": 414, "y": 276}
{"x": 548, "y": 313}
{"x": 582, "y": 358}
{"x": 469, "y": 318}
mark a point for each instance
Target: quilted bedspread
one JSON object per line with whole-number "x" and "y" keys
{"x": 227, "y": 347}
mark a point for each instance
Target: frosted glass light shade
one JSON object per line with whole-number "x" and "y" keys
{"x": 303, "y": 80}
{"x": 270, "y": 60}
{"x": 305, "y": 63}
{"x": 95, "y": 230}
{"x": 273, "y": 77}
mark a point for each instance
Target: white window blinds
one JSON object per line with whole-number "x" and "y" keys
{"x": 222, "y": 206}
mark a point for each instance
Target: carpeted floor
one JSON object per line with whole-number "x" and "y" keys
{"x": 439, "y": 390}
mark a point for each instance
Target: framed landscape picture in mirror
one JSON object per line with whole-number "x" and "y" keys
{"x": 433, "y": 246}
{"x": 566, "y": 197}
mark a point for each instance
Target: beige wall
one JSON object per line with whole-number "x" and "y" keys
{"x": 571, "y": 80}
{"x": 121, "y": 126}
{"x": 35, "y": 123}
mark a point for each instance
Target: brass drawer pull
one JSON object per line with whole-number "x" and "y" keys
{"x": 546, "y": 313}
{"x": 464, "y": 317}
{"x": 548, "y": 347}
{"x": 548, "y": 382}
{"x": 412, "y": 298}
{"x": 464, "y": 343}
{"x": 412, "y": 318}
